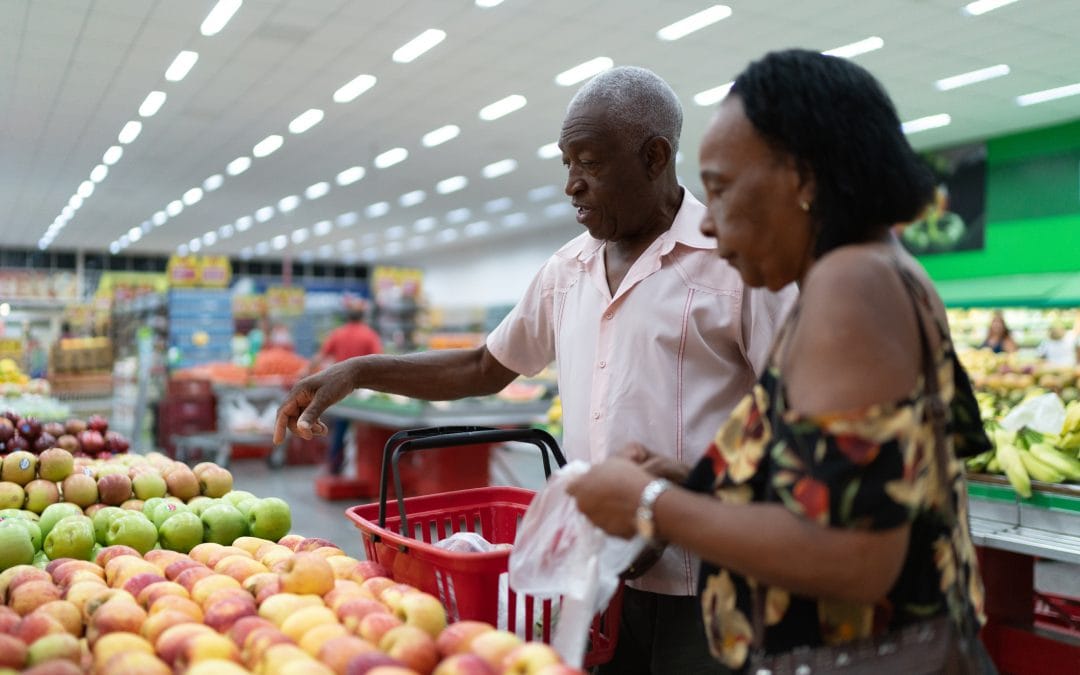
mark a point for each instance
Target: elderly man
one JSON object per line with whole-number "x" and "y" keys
{"x": 655, "y": 339}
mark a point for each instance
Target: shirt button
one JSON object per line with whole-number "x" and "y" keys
{"x": 596, "y": 415}
{"x": 608, "y": 316}
{"x": 603, "y": 364}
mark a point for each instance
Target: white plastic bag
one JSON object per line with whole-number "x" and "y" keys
{"x": 559, "y": 552}
{"x": 1045, "y": 414}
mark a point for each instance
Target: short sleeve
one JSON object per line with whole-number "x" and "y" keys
{"x": 524, "y": 341}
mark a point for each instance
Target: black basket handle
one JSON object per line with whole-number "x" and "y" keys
{"x": 430, "y": 438}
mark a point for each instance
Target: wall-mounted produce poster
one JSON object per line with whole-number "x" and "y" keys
{"x": 955, "y": 218}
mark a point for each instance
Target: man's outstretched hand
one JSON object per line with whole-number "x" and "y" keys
{"x": 309, "y": 399}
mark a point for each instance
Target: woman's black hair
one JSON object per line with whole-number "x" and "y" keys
{"x": 836, "y": 121}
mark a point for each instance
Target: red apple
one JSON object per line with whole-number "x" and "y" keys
{"x": 13, "y": 652}
{"x": 464, "y": 664}
{"x": 114, "y": 489}
{"x": 362, "y": 664}
{"x": 529, "y": 658}
{"x": 338, "y": 652}
{"x": 27, "y": 597}
{"x": 494, "y": 646}
{"x": 97, "y": 423}
{"x": 115, "y": 551}
{"x": 66, "y": 613}
{"x": 457, "y": 637}
{"x": 373, "y": 626}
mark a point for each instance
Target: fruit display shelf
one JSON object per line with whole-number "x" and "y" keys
{"x": 1046, "y": 525}
{"x": 404, "y": 413}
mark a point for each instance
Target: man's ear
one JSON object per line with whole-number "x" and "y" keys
{"x": 658, "y": 155}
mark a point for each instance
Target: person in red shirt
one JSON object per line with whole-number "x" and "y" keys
{"x": 355, "y": 338}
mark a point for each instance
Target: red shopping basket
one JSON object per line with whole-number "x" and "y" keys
{"x": 401, "y": 537}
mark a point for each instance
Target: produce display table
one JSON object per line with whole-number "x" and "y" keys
{"x": 1026, "y": 631}
{"x": 377, "y": 418}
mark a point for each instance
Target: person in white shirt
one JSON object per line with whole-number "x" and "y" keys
{"x": 1060, "y": 347}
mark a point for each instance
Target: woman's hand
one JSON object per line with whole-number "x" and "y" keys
{"x": 657, "y": 465}
{"x": 309, "y": 398}
{"x": 608, "y": 495}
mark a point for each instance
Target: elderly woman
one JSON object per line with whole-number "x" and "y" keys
{"x": 833, "y": 512}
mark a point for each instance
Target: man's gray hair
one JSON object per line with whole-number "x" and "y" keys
{"x": 638, "y": 101}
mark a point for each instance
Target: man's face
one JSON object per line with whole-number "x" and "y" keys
{"x": 607, "y": 179}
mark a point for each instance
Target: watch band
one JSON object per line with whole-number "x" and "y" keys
{"x": 646, "y": 527}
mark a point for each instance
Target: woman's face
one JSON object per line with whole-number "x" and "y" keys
{"x": 754, "y": 197}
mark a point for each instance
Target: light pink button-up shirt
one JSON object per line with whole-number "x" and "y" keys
{"x": 661, "y": 363}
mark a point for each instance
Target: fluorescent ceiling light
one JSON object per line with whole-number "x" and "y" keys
{"x": 1048, "y": 94}
{"x": 125, "y": 241}
{"x": 412, "y": 49}
{"x": 130, "y": 132}
{"x": 238, "y": 166}
{"x": 306, "y": 120}
{"x": 213, "y": 182}
{"x": 264, "y": 214}
{"x": 354, "y": 87}
{"x": 983, "y": 6}
{"x": 267, "y": 145}
{"x": 350, "y": 175}
{"x": 478, "y": 228}
{"x": 440, "y": 135}
{"x": 67, "y": 212}
{"x": 583, "y": 71}
{"x": 192, "y": 196}
{"x": 194, "y": 245}
{"x": 855, "y": 48}
{"x": 112, "y": 155}
{"x": 279, "y": 242}
{"x": 458, "y": 215}
{"x": 694, "y": 22}
{"x": 500, "y": 204}
{"x": 181, "y": 66}
{"x": 377, "y": 210}
{"x": 316, "y": 190}
{"x": 503, "y": 106}
{"x": 487, "y": 3}
{"x": 135, "y": 234}
{"x": 515, "y": 219}
{"x": 75, "y": 202}
{"x": 714, "y": 95}
{"x": 226, "y": 231}
{"x": 395, "y": 232}
{"x": 244, "y": 223}
{"x": 451, "y": 184}
{"x": 412, "y": 198}
{"x": 152, "y": 103}
{"x": 300, "y": 235}
{"x": 426, "y": 224}
{"x": 322, "y": 228}
{"x": 499, "y": 168}
{"x": 114, "y": 247}
{"x": 549, "y": 151}
{"x": 174, "y": 208}
{"x": 347, "y": 219}
{"x": 447, "y": 235}
{"x": 219, "y": 16}
{"x": 209, "y": 239}
{"x": 390, "y": 158}
{"x": 923, "y": 123}
{"x": 159, "y": 218}
{"x": 262, "y": 248}
{"x": 146, "y": 226}
{"x": 85, "y": 189}
{"x": 181, "y": 250}
{"x": 289, "y": 203}
{"x": 539, "y": 194}
{"x": 246, "y": 253}
{"x": 972, "y": 77}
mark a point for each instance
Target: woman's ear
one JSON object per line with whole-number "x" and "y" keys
{"x": 806, "y": 185}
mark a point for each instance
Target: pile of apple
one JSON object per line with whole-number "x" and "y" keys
{"x": 90, "y": 438}
{"x": 295, "y": 607}
{"x": 55, "y": 505}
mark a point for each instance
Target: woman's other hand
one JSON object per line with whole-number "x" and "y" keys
{"x": 657, "y": 465}
{"x": 608, "y": 495}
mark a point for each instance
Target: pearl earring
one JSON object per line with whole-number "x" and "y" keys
{"x": 804, "y": 205}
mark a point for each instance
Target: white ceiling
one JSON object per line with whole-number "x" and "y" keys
{"x": 73, "y": 72}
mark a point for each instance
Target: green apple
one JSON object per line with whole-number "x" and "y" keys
{"x": 236, "y": 496}
{"x": 150, "y": 504}
{"x": 200, "y": 504}
{"x": 269, "y": 518}
{"x": 103, "y": 519}
{"x": 19, "y": 513}
{"x": 223, "y": 524}
{"x": 12, "y": 495}
{"x": 133, "y": 530}
{"x": 41, "y": 561}
{"x": 31, "y": 528}
{"x": 15, "y": 546}
{"x": 244, "y": 505}
{"x": 54, "y": 513}
{"x": 166, "y": 510}
{"x": 72, "y": 537}
{"x": 182, "y": 532}
{"x": 148, "y": 485}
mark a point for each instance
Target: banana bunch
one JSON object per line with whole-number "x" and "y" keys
{"x": 1027, "y": 455}
{"x": 1069, "y": 439}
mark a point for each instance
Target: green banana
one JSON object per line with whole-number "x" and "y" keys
{"x": 1040, "y": 470}
{"x": 1069, "y": 441}
{"x": 1072, "y": 418}
{"x": 1009, "y": 458}
{"x": 1069, "y": 466}
{"x": 993, "y": 466}
{"x": 977, "y": 464}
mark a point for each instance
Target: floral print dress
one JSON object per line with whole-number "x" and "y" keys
{"x": 872, "y": 470}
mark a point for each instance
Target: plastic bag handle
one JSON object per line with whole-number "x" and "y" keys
{"x": 429, "y": 438}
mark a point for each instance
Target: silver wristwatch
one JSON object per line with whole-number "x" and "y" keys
{"x": 646, "y": 528}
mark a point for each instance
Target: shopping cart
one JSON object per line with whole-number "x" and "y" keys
{"x": 401, "y": 536}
